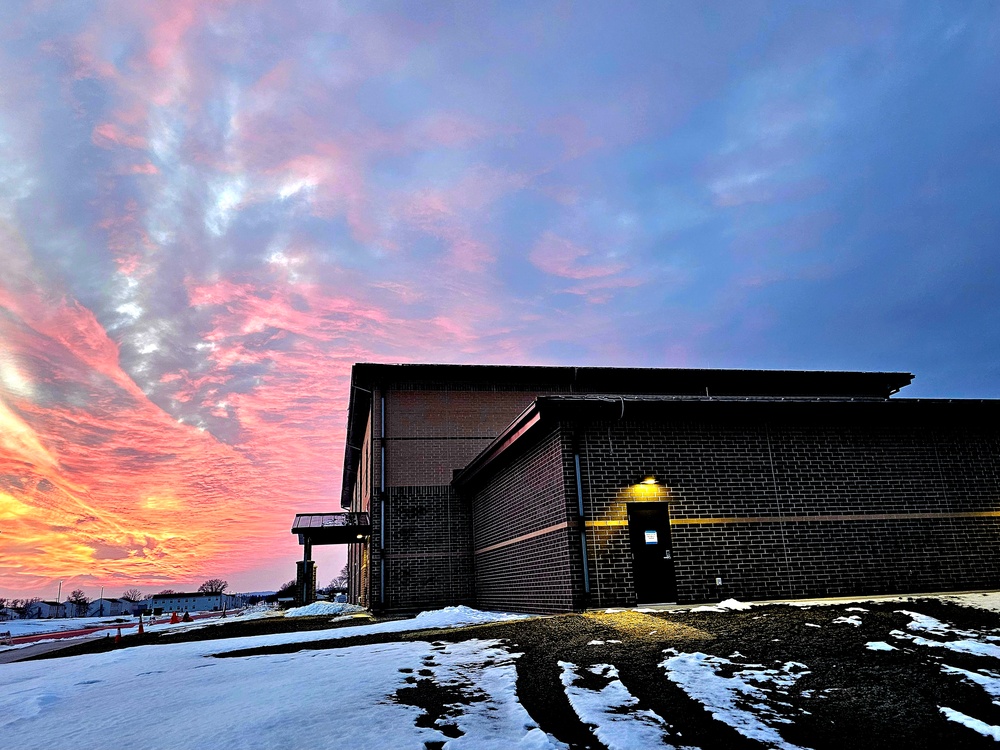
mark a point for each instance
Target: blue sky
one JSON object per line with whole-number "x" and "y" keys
{"x": 209, "y": 211}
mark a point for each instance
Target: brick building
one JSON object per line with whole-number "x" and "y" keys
{"x": 556, "y": 488}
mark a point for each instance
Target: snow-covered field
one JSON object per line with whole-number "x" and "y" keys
{"x": 57, "y": 626}
{"x": 60, "y": 624}
{"x": 361, "y": 696}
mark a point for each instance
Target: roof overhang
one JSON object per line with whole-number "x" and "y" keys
{"x": 550, "y": 411}
{"x": 331, "y": 528}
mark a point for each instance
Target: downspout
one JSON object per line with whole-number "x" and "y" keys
{"x": 381, "y": 500}
{"x": 583, "y": 520}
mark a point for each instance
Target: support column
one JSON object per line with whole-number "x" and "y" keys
{"x": 305, "y": 576}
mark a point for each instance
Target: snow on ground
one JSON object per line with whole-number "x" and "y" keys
{"x": 967, "y": 641}
{"x": 484, "y": 674}
{"x": 749, "y": 701}
{"x": 852, "y": 620}
{"x": 611, "y": 710}
{"x": 971, "y": 642}
{"x": 987, "y": 730}
{"x": 89, "y": 698}
{"x": 988, "y": 680}
{"x": 374, "y": 689}
{"x": 723, "y": 606}
{"x": 990, "y": 600}
{"x": 879, "y": 646}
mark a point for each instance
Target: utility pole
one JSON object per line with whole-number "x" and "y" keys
{"x": 59, "y": 599}
{"x": 102, "y": 601}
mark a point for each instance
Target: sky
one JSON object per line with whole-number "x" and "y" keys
{"x": 210, "y": 210}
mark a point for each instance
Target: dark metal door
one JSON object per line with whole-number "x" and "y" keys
{"x": 652, "y": 556}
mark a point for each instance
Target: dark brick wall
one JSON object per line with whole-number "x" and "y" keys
{"x": 428, "y": 548}
{"x": 431, "y": 430}
{"x": 798, "y": 509}
{"x": 517, "y": 567}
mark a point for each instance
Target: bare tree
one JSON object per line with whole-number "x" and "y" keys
{"x": 340, "y": 580}
{"x": 166, "y": 591}
{"x": 79, "y": 600}
{"x": 25, "y": 607}
{"x": 214, "y": 586}
{"x": 133, "y": 595}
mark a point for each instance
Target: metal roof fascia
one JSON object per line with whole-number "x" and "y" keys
{"x": 352, "y": 453}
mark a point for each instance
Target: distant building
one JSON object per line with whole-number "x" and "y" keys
{"x": 196, "y": 602}
{"x": 45, "y": 609}
{"x": 110, "y": 607}
{"x": 6, "y": 613}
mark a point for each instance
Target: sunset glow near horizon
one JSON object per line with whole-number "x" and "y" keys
{"x": 210, "y": 210}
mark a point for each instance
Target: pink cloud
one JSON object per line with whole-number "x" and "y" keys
{"x": 452, "y": 129}
{"x": 165, "y": 38}
{"x": 146, "y": 168}
{"x": 108, "y": 134}
{"x": 558, "y": 256}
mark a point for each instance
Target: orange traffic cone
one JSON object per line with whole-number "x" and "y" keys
{"x": 174, "y": 619}
{"x": 118, "y": 636}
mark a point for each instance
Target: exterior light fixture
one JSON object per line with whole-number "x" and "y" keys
{"x": 649, "y": 480}
{"x": 361, "y": 536}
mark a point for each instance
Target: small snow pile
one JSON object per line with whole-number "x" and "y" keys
{"x": 748, "y": 701}
{"x": 324, "y": 608}
{"x": 727, "y": 605}
{"x": 879, "y": 646}
{"x": 926, "y": 623}
{"x": 611, "y": 711}
{"x": 260, "y": 611}
{"x": 987, "y": 730}
{"x": 852, "y": 620}
{"x": 454, "y": 617}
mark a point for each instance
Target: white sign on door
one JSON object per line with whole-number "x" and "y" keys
{"x": 650, "y": 537}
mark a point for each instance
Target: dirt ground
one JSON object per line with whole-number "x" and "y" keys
{"x": 846, "y": 695}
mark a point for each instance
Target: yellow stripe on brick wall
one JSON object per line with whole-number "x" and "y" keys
{"x": 829, "y": 518}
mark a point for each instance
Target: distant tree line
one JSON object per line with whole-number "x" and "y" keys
{"x": 19, "y": 607}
